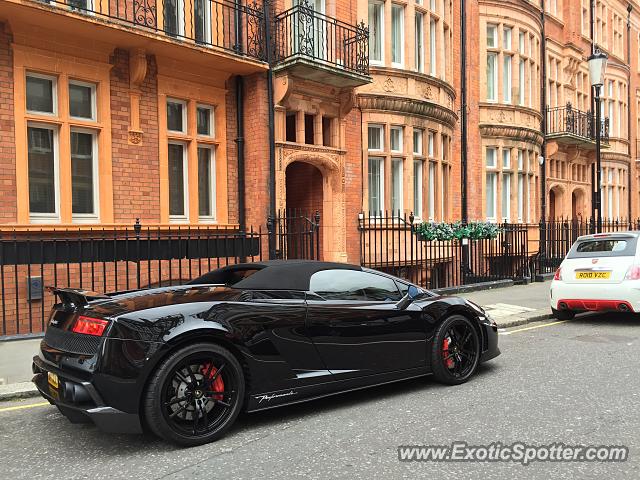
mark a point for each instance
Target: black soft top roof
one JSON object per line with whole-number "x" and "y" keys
{"x": 270, "y": 275}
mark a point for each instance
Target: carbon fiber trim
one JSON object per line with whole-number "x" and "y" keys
{"x": 72, "y": 342}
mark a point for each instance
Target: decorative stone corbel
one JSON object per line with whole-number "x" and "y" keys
{"x": 347, "y": 101}
{"x": 552, "y": 148}
{"x": 137, "y": 74}
{"x": 282, "y": 88}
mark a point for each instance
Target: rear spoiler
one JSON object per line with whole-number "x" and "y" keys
{"x": 75, "y": 296}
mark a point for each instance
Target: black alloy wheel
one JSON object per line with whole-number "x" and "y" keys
{"x": 195, "y": 395}
{"x": 455, "y": 352}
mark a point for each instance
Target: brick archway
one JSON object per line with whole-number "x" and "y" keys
{"x": 304, "y": 188}
{"x": 305, "y": 193}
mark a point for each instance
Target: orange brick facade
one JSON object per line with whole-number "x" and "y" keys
{"x": 332, "y": 127}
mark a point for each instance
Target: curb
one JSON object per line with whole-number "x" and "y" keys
{"x": 474, "y": 287}
{"x": 14, "y": 391}
{"x": 536, "y": 317}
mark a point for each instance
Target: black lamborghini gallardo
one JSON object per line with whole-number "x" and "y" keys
{"x": 183, "y": 361}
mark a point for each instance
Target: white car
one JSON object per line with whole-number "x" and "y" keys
{"x": 600, "y": 273}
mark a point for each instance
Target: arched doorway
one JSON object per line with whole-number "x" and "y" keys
{"x": 304, "y": 197}
{"x": 552, "y": 205}
{"x": 577, "y": 204}
{"x": 557, "y": 208}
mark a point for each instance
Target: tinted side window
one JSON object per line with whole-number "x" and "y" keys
{"x": 353, "y": 285}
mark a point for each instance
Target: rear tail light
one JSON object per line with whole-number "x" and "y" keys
{"x": 558, "y": 275}
{"x": 633, "y": 273}
{"x": 90, "y": 326}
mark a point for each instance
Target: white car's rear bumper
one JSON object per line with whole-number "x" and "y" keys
{"x": 595, "y": 296}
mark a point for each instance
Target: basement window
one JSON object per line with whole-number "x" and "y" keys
{"x": 309, "y": 120}
{"x": 290, "y": 127}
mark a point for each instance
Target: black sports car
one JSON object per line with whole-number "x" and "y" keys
{"x": 185, "y": 360}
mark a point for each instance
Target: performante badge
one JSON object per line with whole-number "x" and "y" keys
{"x": 270, "y": 396}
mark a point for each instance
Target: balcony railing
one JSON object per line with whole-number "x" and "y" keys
{"x": 303, "y": 33}
{"x": 568, "y": 121}
{"x": 210, "y": 23}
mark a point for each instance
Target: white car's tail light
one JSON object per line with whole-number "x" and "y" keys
{"x": 558, "y": 275}
{"x": 633, "y": 273}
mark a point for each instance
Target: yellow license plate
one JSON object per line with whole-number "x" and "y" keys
{"x": 593, "y": 275}
{"x": 53, "y": 379}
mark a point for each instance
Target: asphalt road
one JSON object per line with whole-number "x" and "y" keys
{"x": 575, "y": 382}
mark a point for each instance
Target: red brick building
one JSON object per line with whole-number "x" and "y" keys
{"x": 162, "y": 112}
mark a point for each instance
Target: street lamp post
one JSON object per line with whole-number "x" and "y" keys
{"x": 597, "y": 66}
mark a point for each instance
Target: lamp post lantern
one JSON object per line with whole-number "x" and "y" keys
{"x": 597, "y": 66}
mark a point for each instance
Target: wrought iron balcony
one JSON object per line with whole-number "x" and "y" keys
{"x": 317, "y": 47}
{"x": 571, "y": 126}
{"x": 231, "y": 26}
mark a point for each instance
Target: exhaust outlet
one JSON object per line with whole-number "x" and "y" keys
{"x": 623, "y": 307}
{"x": 563, "y": 306}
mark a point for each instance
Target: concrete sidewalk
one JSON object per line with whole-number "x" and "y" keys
{"x": 509, "y": 306}
{"x": 515, "y": 305}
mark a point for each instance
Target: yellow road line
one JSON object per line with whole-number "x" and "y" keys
{"x": 22, "y": 407}
{"x": 534, "y": 327}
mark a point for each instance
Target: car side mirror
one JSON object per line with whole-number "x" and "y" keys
{"x": 412, "y": 294}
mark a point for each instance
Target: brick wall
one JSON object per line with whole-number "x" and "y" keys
{"x": 232, "y": 151}
{"x": 7, "y": 131}
{"x": 136, "y": 185}
{"x": 256, "y": 123}
{"x": 353, "y": 183}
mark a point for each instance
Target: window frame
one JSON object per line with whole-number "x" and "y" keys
{"x": 185, "y": 126}
{"x": 380, "y": 129}
{"x": 381, "y": 36}
{"x": 399, "y": 196}
{"x": 507, "y": 79}
{"x": 54, "y": 93}
{"x": 494, "y": 77}
{"x": 494, "y": 176}
{"x": 400, "y": 130}
{"x": 380, "y": 160}
{"x": 185, "y": 180}
{"x": 394, "y": 8}
{"x": 493, "y": 26}
{"x": 505, "y": 200}
{"x": 212, "y": 116}
{"x": 44, "y": 217}
{"x": 419, "y": 41}
{"x": 94, "y": 102}
{"x": 433, "y": 47}
{"x": 212, "y": 183}
{"x": 420, "y": 142}
{"x": 495, "y": 157}
{"x": 95, "y": 163}
{"x": 418, "y": 204}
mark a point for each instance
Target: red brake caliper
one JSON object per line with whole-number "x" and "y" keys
{"x": 445, "y": 353}
{"x": 218, "y": 384}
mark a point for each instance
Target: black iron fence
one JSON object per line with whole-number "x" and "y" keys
{"x": 297, "y": 234}
{"x": 304, "y": 33}
{"x": 130, "y": 258}
{"x": 570, "y": 121}
{"x": 557, "y": 237}
{"x": 390, "y": 243}
{"x": 232, "y": 26}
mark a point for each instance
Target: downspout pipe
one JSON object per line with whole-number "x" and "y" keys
{"x": 271, "y": 126}
{"x": 242, "y": 215}
{"x": 594, "y": 174}
{"x": 463, "y": 111}
{"x": 543, "y": 110}
{"x": 629, "y": 9}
